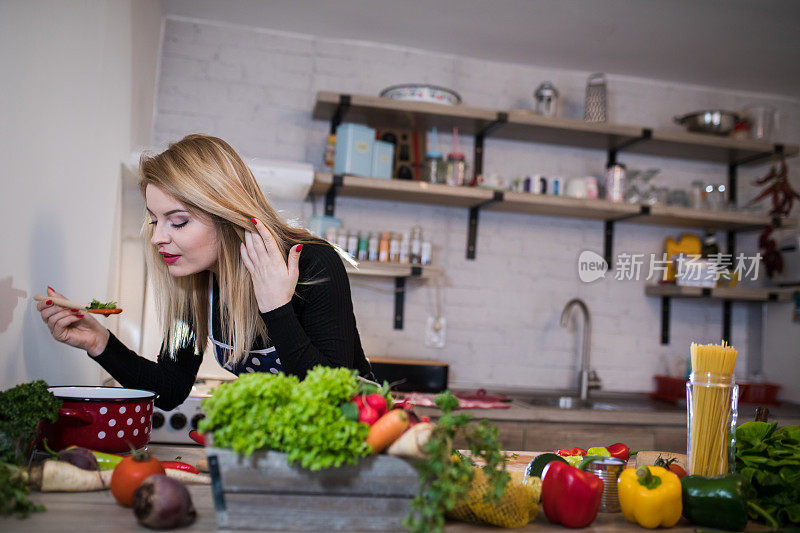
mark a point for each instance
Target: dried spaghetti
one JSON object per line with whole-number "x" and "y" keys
{"x": 710, "y": 408}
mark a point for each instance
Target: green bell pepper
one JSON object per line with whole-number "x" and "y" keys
{"x": 716, "y": 502}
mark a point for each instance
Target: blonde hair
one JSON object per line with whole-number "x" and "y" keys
{"x": 207, "y": 176}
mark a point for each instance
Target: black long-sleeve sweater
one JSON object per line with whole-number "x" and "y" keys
{"x": 317, "y": 327}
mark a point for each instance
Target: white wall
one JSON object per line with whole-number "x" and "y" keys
{"x": 256, "y": 89}
{"x": 77, "y": 86}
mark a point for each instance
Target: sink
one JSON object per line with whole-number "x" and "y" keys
{"x": 568, "y": 402}
{"x": 600, "y": 402}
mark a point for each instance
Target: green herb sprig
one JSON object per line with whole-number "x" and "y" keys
{"x": 445, "y": 476}
{"x": 97, "y": 304}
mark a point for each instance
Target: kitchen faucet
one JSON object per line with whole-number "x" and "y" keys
{"x": 587, "y": 378}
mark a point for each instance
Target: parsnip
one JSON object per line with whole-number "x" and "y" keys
{"x": 411, "y": 444}
{"x": 60, "y": 476}
{"x": 188, "y": 477}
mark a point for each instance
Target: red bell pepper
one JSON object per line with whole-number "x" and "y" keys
{"x": 199, "y": 438}
{"x": 177, "y": 465}
{"x": 619, "y": 450}
{"x": 570, "y": 497}
{"x": 570, "y": 453}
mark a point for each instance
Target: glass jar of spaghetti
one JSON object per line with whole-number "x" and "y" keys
{"x": 711, "y": 403}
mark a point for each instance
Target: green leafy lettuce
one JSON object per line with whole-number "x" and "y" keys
{"x": 769, "y": 460}
{"x": 261, "y": 411}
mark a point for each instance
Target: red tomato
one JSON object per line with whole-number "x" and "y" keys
{"x": 130, "y": 473}
{"x": 677, "y": 470}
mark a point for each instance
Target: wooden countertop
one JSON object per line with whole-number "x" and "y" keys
{"x": 98, "y": 511}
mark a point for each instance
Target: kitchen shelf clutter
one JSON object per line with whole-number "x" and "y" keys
{"x": 524, "y": 125}
{"x": 535, "y": 204}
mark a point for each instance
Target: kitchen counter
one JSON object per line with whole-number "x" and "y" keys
{"x": 98, "y": 511}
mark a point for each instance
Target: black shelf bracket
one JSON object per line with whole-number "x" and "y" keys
{"x": 665, "y": 310}
{"x": 400, "y": 295}
{"x": 472, "y": 229}
{"x": 608, "y": 235}
{"x": 612, "y": 151}
{"x": 726, "y": 320}
{"x": 341, "y": 109}
{"x": 502, "y": 118}
{"x": 330, "y": 196}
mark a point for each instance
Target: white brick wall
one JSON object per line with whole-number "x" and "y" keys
{"x": 256, "y": 88}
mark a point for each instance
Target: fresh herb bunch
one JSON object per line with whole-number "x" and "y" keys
{"x": 97, "y": 304}
{"x": 769, "y": 461}
{"x": 21, "y": 409}
{"x": 445, "y": 476}
{"x": 277, "y": 412}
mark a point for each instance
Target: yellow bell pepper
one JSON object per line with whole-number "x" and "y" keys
{"x": 650, "y": 496}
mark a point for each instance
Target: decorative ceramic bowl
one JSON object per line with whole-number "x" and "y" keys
{"x": 422, "y": 93}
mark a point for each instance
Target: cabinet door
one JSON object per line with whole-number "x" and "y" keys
{"x": 549, "y": 436}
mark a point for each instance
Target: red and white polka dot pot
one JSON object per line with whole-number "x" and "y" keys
{"x": 103, "y": 419}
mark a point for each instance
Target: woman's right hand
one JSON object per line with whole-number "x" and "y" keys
{"x": 73, "y": 327}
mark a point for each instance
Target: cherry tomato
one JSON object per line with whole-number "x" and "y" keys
{"x": 130, "y": 473}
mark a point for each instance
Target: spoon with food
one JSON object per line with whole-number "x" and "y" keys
{"x": 97, "y": 307}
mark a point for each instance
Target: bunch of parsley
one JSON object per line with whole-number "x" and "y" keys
{"x": 261, "y": 411}
{"x": 445, "y": 476}
{"x": 769, "y": 460}
{"x": 21, "y": 409}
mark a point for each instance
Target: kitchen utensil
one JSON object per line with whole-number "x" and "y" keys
{"x": 546, "y": 96}
{"x": 105, "y": 419}
{"x": 63, "y": 302}
{"x": 715, "y": 121}
{"x": 422, "y": 93}
{"x": 595, "y": 107}
{"x": 763, "y": 121}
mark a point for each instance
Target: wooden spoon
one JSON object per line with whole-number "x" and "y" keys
{"x": 63, "y": 302}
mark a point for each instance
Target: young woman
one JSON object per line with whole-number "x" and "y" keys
{"x": 268, "y": 296}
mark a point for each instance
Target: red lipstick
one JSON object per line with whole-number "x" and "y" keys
{"x": 169, "y": 258}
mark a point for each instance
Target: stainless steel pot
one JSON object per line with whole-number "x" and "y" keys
{"x": 715, "y": 121}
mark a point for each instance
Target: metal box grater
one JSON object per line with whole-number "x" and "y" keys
{"x": 595, "y": 107}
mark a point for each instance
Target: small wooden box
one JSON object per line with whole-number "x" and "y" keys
{"x": 264, "y": 492}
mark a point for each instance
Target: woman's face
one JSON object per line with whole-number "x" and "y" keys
{"x": 187, "y": 242}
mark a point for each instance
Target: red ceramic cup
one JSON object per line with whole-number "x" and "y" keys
{"x": 103, "y": 419}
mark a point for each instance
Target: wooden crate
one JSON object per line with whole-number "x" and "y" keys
{"x": 264, "y": 492}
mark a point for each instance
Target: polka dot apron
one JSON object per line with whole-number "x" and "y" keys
{"x": 264, "y": 360}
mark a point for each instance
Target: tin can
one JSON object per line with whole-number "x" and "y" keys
{"x": 615, "y": 182}
{"x": 608, "y": 469}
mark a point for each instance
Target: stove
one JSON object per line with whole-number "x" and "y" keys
{"x": 173, "y": 426}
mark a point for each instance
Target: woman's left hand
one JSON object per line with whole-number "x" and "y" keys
{"x": 274, "y": 280}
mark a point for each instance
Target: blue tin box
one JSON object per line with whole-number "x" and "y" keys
{"x": 354, "y": 144}
{"x": 382, "y": 159}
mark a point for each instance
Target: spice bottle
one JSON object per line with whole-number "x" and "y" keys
{"x": 352, "y": 243}
{"x": 374, "y": 247}
{"x": 383, "y": 248}
{"x": 405, "y": 248}
{"x": 415, "y": 257}
{"x": 394, "y": 248}
{"x": 363, "y": 246}
{"x": 427, "y": 251}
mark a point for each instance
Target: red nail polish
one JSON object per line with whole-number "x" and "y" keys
{"x": 255, "y": 222}
{"x": 51, "y": 288}
{"x": 299, "y": 247}
{"x": 74, "y": 310}
{"x": 49, "y": 302}
{"x": 79, "y": 316}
